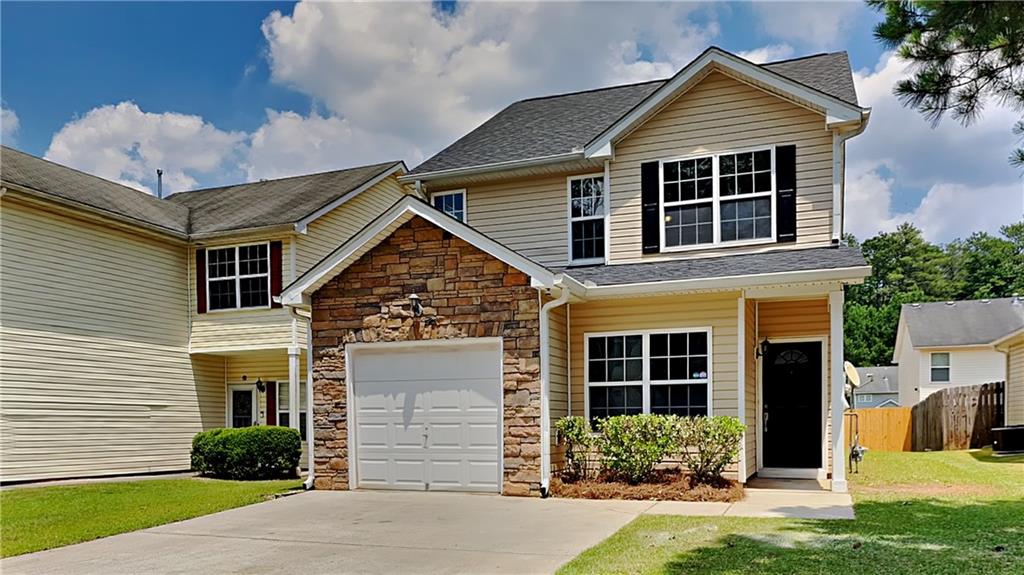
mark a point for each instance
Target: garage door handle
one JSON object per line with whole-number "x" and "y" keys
{"x": 426, "y": 434}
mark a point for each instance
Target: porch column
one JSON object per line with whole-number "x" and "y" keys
{"x": 835, "y": 305}
{"x": 293, "y": 387}
{"x": 741, "y": 382}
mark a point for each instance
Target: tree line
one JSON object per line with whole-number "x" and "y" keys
{"x": 906, "y": 269}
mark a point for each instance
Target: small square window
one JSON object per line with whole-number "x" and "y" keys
{"x": 451, "y": 203}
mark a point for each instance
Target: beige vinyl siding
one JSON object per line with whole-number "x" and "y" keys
{"x": 717, "y": 311}
{"x": 796, "y": 319}
{"x": 752, "y": 409}
{"x": 328, "y": 232}
{"x": 720, "y": 114}
{"x": 1015, "y": 384}
{"x": 529, "y": 216}
{"x": 241, "y": 329}
{"x": 95, "y": 372}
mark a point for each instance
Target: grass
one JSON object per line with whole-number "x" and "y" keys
{"x": 37, "y": 518}
{"x": 942, "y": 513}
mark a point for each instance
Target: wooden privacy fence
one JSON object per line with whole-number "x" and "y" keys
{"x": 880, "y": 428}
{"x": 959, "y": 417}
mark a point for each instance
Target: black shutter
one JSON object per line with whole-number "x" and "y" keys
{"x": 649, "y": 196}
{"x": 785, "y": 194}
{"x": 275, "y": 272}
{"x": 200, "y": 281}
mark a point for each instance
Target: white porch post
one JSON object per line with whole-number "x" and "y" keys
{"x": 293, "y": 387}
{"x": 835, "y": 304}
{"x": 741, "y": 382}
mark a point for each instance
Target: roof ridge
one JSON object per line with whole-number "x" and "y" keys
{"x": 93, "y": 176}
{"x": 274, "y": 180}
{"x": 807, "y": 57}
{"x": 589, "y": 90}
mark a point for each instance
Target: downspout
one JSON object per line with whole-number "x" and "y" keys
{"x": 308, "y": 483}
{"x": 545, "y": 391}
{"x": 839, "y": 175}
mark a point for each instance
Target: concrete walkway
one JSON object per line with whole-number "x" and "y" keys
{"x": 396, "y": 532}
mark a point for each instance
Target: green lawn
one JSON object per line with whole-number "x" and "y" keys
{"x": 37, "y": 518}
{"x": 943, "y": 512}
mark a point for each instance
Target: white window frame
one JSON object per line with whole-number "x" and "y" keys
{"x": 645, "y": 381}
{"x": 948, "y": 367}
{"x": 459, "y": 192}
{"x": 716, "y": 200}
{"x": 570, "y": 219}
{"x": 238, "y": 278}
{"x": 283, "y": 385}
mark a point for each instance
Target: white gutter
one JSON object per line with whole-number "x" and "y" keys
{"x": 308, "y": 483}
{"x": 839, "y": 172}
{"x": 545, "y": 391}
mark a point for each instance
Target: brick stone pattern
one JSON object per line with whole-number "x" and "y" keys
{"x": 465, "y": 293}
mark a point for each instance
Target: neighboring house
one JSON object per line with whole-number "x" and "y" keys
{"x": 665, "y": 247}
{"x": 129, "y": 323}
{"x": 950, "y": 344}
{"x": 1013, "y": 346}
{"x": 879, "y": 387}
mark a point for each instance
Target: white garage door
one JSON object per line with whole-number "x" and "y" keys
{"x": 428, "y": 417}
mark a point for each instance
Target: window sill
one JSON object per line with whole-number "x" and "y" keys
{"x": 719, "y": 245}
{"x": 588, "y": 262}
{"x": 240, "y": 309}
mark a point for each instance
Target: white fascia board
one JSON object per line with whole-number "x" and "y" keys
{"x": 301, "y": 225}
{"x": 837, "y": 112}
{"x": 901, "y": 329}
{"x": 409, "y": 206}
{"x": 1007, "y": 338}
{"x": 848, "y": 275}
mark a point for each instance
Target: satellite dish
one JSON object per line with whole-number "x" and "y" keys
{"x": 851, "y": 374}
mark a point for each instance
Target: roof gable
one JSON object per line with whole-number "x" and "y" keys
{"x": 407, "y": 208}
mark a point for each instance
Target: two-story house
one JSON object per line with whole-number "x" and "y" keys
{"x": 129, "y": 323}
{"x": 664, "y": 247}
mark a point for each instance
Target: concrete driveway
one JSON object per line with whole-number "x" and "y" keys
{"x": 354, "y": 532}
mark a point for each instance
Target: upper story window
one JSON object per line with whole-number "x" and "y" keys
{"x": 452, "y": 203}
{"x": 238, "y": 277}
{"x": 666, "y": 372}
{"x": 718, "y": 199}
{"x": 587, "y": 215}
{"x": 940, "y": 367}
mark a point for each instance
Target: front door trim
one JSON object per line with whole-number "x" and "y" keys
{"x": 820, "y": 473}
{"x": 229, "y": 404}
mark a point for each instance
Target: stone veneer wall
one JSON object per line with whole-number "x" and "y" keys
{"x": 465, "y": 293}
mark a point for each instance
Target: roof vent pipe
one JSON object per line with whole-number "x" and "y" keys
{"x": 159, "y": 183}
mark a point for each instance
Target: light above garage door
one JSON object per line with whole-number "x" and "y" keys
{"x": 427, "y": 415}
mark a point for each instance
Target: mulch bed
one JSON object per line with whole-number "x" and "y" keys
{"x": 663, "y": 485}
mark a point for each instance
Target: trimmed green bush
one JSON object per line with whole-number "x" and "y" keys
{"x": 579, "y": 441}
{"x": 631, "y": 445}
{"x": 261, "y": 452}
{"x": 708, "y": 445}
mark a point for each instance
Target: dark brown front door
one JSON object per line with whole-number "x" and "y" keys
{"x": 791, "y": 413}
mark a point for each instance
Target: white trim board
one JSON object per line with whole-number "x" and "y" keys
{"x": 303, "y": 224}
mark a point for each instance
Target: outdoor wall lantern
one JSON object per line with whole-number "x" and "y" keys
{"x": 762, "y": 348}
{"x": 260, "y": 385}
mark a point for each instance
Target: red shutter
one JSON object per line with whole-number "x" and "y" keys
{"x": 271, "y": 403}
{"x": 201, "y": 281}
{"x": 275, "y": 272}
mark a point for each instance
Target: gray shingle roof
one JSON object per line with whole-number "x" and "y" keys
{"x": 970, "y": 322}
{"x": 271, "y": 202}
{"x": 879, "y": 379}
{"x": 560, "y": 124}
{"x": 65, "y": 183}
{"x": 721, "y": 266}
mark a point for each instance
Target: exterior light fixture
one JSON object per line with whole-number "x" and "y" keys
{"x": 762, "y": 348}
{"x": 414, "y": 303}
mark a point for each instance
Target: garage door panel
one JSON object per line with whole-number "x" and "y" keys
{"x": 428, "y": 417}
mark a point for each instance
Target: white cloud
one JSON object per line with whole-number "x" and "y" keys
{"x": 818, "y": 25}
{"x": 424, "y": 78}
{"x": 769, "y": 53}
{"x": 9, "y": 125}
{"x": 963, "y": 173}
{"x": 125, "y": 144}
{"x": 289, "y": 144}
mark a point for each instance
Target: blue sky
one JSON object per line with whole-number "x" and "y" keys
{"x": 226, "y": 92}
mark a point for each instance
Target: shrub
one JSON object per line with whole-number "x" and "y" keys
{"x": 631, "y": 445}
{"x": 579, "y": 440}
{"x": 708, "y": 444}
{"x": 247, "y": 453}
